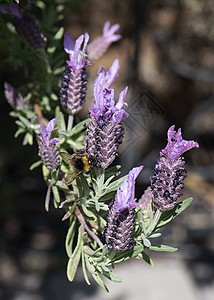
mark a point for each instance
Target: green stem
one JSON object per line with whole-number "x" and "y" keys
{"x": 83, "y": 223}
{"x": 70, "y": 122}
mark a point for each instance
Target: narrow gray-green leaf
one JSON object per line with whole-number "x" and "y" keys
{"x": 75, "y": 258}
{"x": 59, "y": 34}
{"x": 84, "y": 269}
{"x": 70, "y": 236}
{"x": 98, "y": 279}
{"x": 35, "y": 165}
{"x": 164, "y": 248}
{"x": 147, "y": 258}
{"x": 79, "y": 127}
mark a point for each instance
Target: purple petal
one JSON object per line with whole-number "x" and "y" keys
{"x": 46, "y": 132}
{"x": 113, "y": 29}
{"x": 54, "y": 141}
{"x": 101, "y": 70}
{"x": 4, "y": 9}
{"x": 125, "y": 194}
{"x": 51, "y": 125}
{"x": 109, "y": 33}
{"x": 111, "y": 74}
{"x": 14, "y": 9}
{"x": 86, "y": 39}
{"x": 13, "y": 97}
{"x": 120, "y": 104}
{"x": 119, "y": 115}
{"x": 68, "y": 43}
{"x": 77, "y": 47}
{"x": 176, "y": 146}
{"x": 106, "y": 27}
{"x": 98, "y": 94}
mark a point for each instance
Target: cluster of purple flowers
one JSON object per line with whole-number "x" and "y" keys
{"x": 169, "y": 173}
{"x": 25, "y": 25}
{"x": 105, "y": 131}
{"x": 47, "y": 146}
{"x": 74, "y": 79}
{"x": 119, "y": 230}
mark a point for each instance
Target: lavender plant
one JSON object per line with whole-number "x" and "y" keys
{"x": 110, "y": 224}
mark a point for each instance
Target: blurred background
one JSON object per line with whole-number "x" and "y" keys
{"x": 167, "y": 60}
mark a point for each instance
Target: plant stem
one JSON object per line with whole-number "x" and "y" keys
{"x": 70, "y": 122}
{"x": 83, "y": 223}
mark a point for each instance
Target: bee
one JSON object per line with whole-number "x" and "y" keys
{"x": 78, "y": 162}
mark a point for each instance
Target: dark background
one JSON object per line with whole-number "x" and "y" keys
{"x": 166, "y": 58}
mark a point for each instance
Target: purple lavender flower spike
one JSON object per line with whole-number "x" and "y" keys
{"x": 13, "y": 97}
{"x": 118, "y": 233}
{"x": 105, "y": 132}
{"x": 99, "y": 46}
{"x": 47, "y": 148}
{"x": 74, "y": 80}
{"x": 169, "y": 172}
{"x": 25, "y": 25}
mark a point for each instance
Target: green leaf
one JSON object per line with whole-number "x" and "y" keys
{"x": 51, "y": 50}
{"x": 87, "y": 212}
{"x": 84, "y": 184}
{"x": 114, "y": 185}
{"x": 75, "y": 257}
{"x": 70, "y": 236}
{"x": 98, "y": 279}
{"x": 56, "y": 195}
{"x": 28, "y": 139}
{"x": 54, "y": 97}
{"x": 66, "y": 157}
{"x": 165, "y": 248}
{"x": 113, "y": 171}
{"x": 35, "y": 165}
{"x": 111, "y": 276}
{"x": 59, "y": 34}
{"x": 147, "y": 258}
{"x": 146, "y": 242}
{"x": 60, "y": 120}
{"x": 170, "y": 215}
{"x": 41, "y": 4}
{"x": 155, "y": 235}
{"x": 79, "y": 127}
{"x": 25, "y": 121}
{"x": 84, "y": 269}
{"x": 18, "y": 132}
{"x": 45, "y": 172}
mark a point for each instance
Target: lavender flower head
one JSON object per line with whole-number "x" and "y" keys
{"x": 99, "y": 46}
{"x": 105, "y": 132}
{"x": 119, "y": 229}
{"x": 47, "y": 148}
{"x": 25, "y": 25}
{"x": 74, "y": 79}
{"x": 169, "y": 172}
{"x": 13, "y": 97}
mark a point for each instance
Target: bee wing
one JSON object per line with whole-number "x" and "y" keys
{"x": 70, "y": 176}
{"x": 66, "y": 157}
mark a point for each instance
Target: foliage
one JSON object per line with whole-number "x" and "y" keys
{"x": 86, "y": 199}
